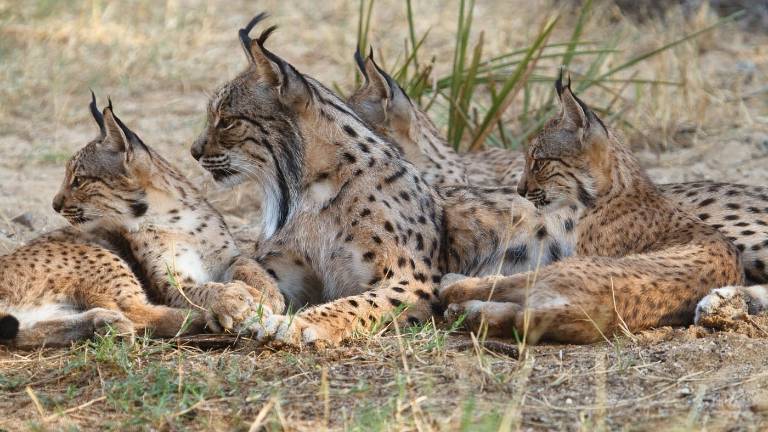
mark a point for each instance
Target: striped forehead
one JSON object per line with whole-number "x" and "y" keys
{"x": 219, "y": 98}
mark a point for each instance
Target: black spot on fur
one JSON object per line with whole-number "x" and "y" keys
{"x": 555, "y": 253}
{"x": 541, "y": 233}
{"x": 516, "y": 254}
{"x": 139, "y": 208}
{"x": 351, "y": 132}
{"x": 349, "y": 157}
{"x": 568, "y": 225}
{"x": 422, "y": 294}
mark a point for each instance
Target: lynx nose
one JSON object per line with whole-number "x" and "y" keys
{"x": 58, "y": 203}
{"x": 198, "y": 146}
{"x": 197, "y": 153}
{"x": 522, "y": 189}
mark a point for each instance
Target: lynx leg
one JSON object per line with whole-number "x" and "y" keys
{"x": 70, "y": 327}
{"x": 127, "y": 296}
{"x": 497, "y": 288}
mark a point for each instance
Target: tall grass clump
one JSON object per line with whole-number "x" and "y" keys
{"x": 474, "y": 99}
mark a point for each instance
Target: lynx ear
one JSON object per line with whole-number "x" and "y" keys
{"x": 376, "y": 83}
{"x": 372, "y": 98}
{"x": 268, "y": 67}
{"x": 395, "y": 103}
{"x": 574, "y": 114}
{"x": 118, "y": 138}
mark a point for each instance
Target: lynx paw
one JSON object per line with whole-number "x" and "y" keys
{"x": 234, "y": 309}
{"x": 104, "y": 320}
{"x": 496, "y": 318}
{"x": 725, "y": 303}
{"x": 295, "y": 331}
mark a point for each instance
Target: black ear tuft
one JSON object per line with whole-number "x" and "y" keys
{"x": 360, "y": 62}
{"x": 559, "y": 87}
{"x": 265, "y": 35}
{"x": 97, "y": 114}
{"x": 559, "y": 82}
{"x": 243, "y": 33}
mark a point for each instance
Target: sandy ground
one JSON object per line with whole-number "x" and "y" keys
{"x": 686, "y": 379}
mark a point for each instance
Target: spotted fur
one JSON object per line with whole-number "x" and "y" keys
{"x": 739, "y": 211}
{"x": 139, "y": 221}
{"x": 640, "y": 261}
{"x": 368, "y": 235}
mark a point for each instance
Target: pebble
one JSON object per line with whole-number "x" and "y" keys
{"x": 25, "y": 219}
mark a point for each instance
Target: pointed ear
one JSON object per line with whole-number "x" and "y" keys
{"x": 271, "y": 69}
{"x": 371, "y": 100}
{"x": 574, "y": 113}
{"x": 376, "y": 83}
{"x": 395, "y": 103}
{"x": 118, "y": 138}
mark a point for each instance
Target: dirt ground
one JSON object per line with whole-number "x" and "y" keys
{"x": 159, "y": 60}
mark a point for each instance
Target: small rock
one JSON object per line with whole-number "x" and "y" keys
{"x": 24, "y": 219}
{"x": 759, "y": 404}
{"x": 569, "y": 401}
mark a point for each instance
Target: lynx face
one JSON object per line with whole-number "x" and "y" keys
{"x": 252, "y": 131}
{"x": 560, "y": 160}
{"x": 103, "y": 180}
{"x": 248, "y": 136}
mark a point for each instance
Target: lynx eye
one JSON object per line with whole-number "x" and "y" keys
{"x": 76, "y": 182}
{"x": 536, "y": 166}
{"x": 225, "y": 123}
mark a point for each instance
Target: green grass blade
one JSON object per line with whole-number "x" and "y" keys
{"x": 639, "y": 58}
{"x": 577, "y": 30}
{"x": 513, "y": 85}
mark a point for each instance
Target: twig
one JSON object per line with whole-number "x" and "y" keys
{"x": 36, "y": 402}
{"x": 259, "y": 420}
{"x": 73, "y": 409}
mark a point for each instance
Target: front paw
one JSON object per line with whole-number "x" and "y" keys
{"x": 490, "y": 318}
{"x": 108, "y": 321}
{"x": 295, "y": 331}
{"x": 234, "y": 308}
{"x": 720, "y": 304}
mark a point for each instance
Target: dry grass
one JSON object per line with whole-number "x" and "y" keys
{"x": 158, "y": 59}
{"x": 419, "y": 380}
